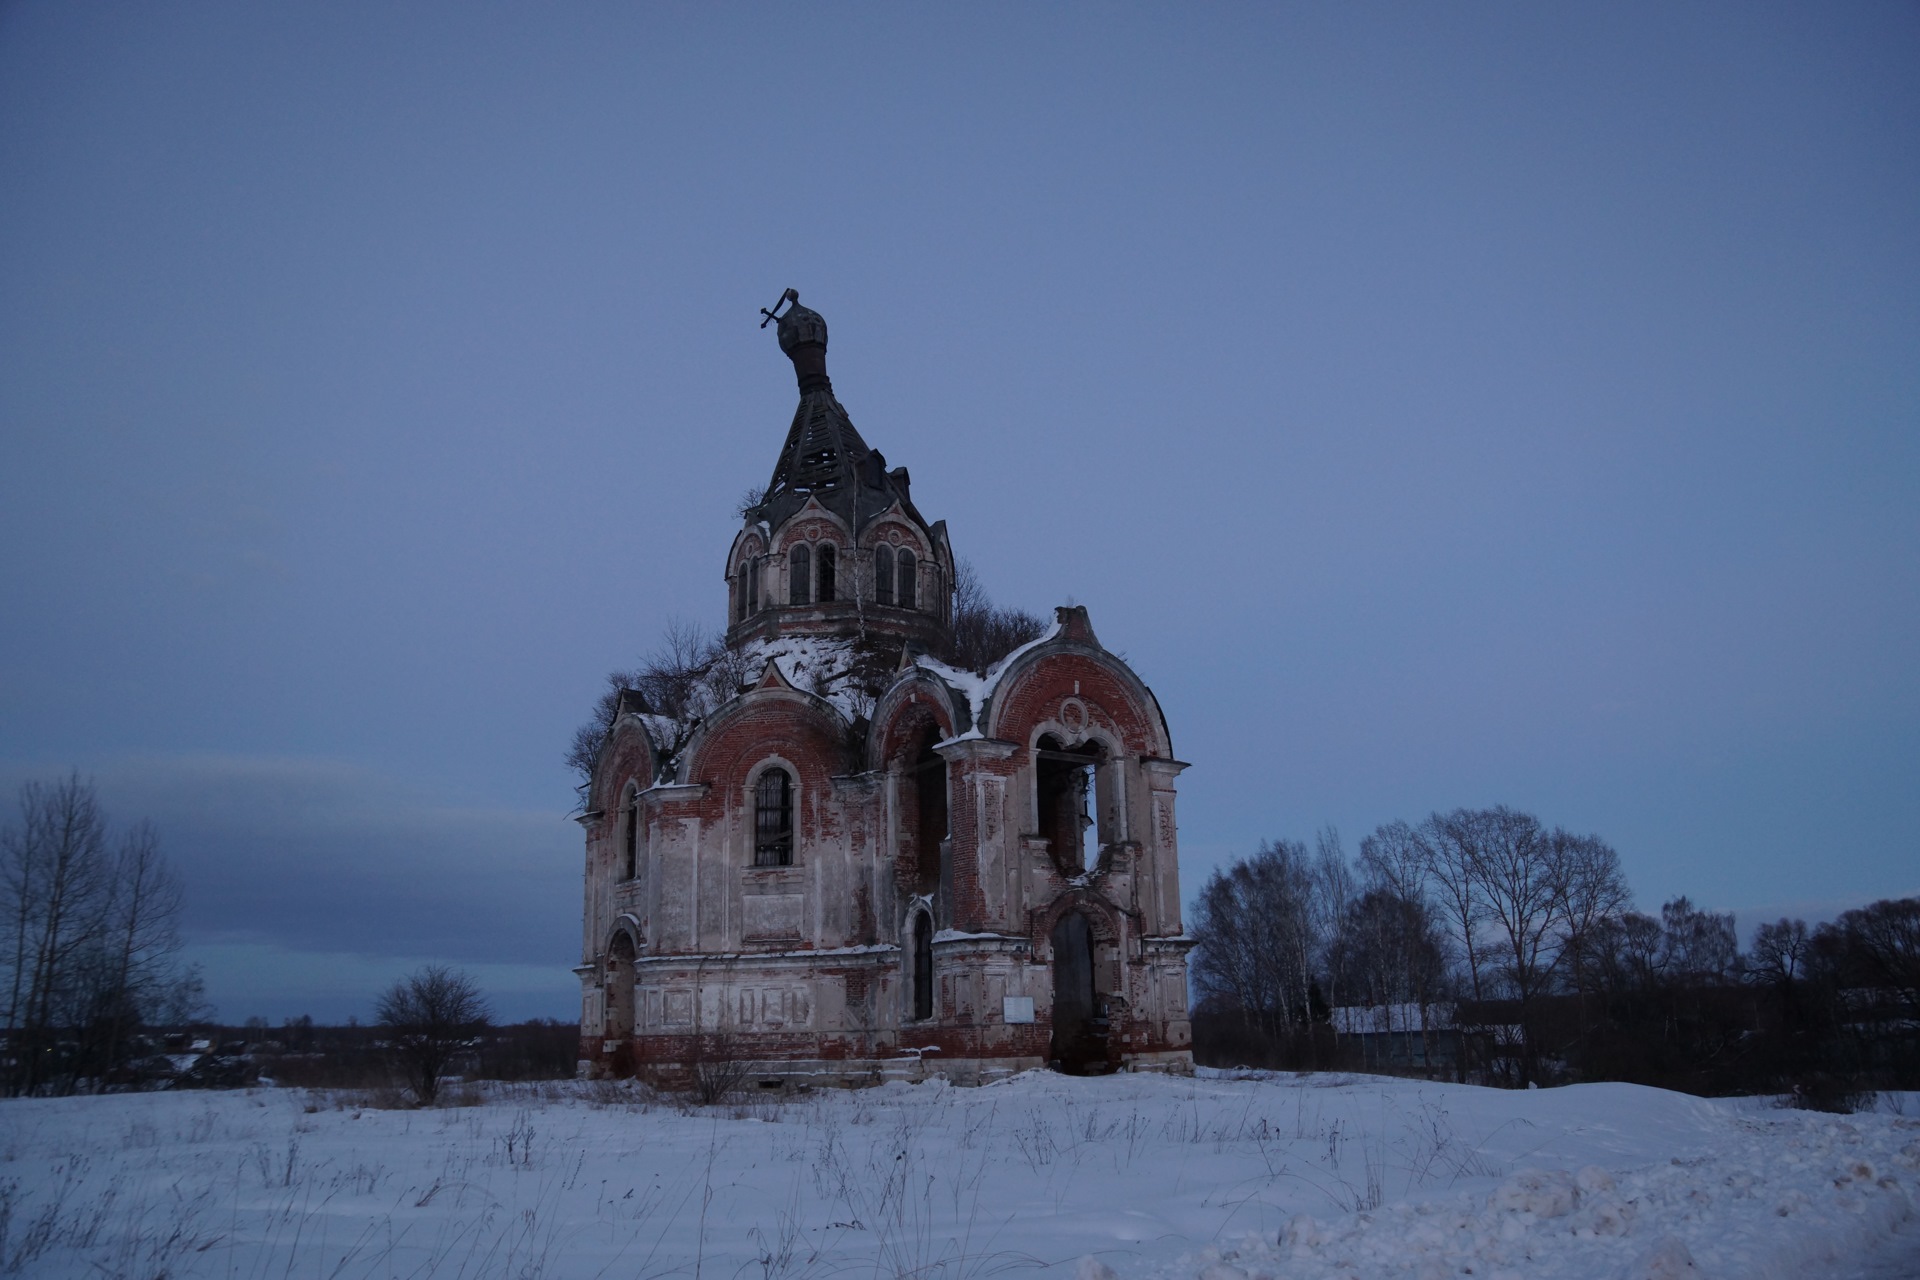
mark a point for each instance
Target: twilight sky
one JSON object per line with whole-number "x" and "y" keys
{"x": 1438, "y": 406}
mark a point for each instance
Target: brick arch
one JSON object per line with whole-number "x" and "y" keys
{"x": 745, "y": 549}
{"x": 882, "y": 529}
{"x": 1103, "y": 919}
{"x": 627, "y": 756}
{"x": 812, "y": 523}
{"x": 750, "y": 534}
{"x": 902, "y": 713}
{"x": 626, "y": 925}
{"x": 1045, "y": 678}
{"x": 800, "y": 722}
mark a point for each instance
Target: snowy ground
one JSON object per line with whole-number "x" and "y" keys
{"x": 1208, "y": 1179}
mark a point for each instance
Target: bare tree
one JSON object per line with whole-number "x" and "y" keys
{"x": 1260, "y": 940}
{"x": 1884, "y": 939}
{"x": 1333, "y": 896}
{"x": 133, "y": 977}
{"x": 983, "y": 632}
{"x": 1589, "y": 887}
{"x": 1395, "y": 857}
{"x": 1400, "y": 924}
{"x": 1626, "y": 951}
{"x": 1779, "y": 955}
{"x": 57, "y": 886}
{"x": 1697, "y": 946}
{"x": 689, "y": 677}
{"x": 1779, "y": 958}
{"x": 91, "y": 940}
{"x": 1449, "y": 844}
{"x": 432, "y": 1015}
{"x": 1521, "y": 888}
{"x": 1390, "y": 952}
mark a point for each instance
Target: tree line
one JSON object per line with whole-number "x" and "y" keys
{"x": 90, "y": 941}
{"x": 1506, "y": 951}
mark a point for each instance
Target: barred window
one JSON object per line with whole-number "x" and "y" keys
{"x": 883, "y": 574}
{"x": 773, "y": 820}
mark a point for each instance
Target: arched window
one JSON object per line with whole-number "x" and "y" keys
{"x": 929, "y": 810}
{"x": 752, "y": 572}
{"x": 825, "y": 557}
{"x": 740, "y": 596}
{"x": 883, "y": 574}
{"x": 909, "y": 579}
{"x": 799, "y": 591}
{"x": 1067, "y": 790}
{"x": 922, "y": 966}
{"x": 773, "y": 819}
{"x": 630, "y": 836}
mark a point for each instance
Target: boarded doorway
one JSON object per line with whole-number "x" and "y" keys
{"x": 1079, "y": 1025}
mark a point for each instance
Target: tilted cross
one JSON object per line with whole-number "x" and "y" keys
{"x": 791, "y": 295}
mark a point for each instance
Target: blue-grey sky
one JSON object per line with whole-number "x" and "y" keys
{"x": 1438, "y": 405}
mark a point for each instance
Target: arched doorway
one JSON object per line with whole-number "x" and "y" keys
{"x": 619, "y": 1000}
{"x": 1079, "y": 1023}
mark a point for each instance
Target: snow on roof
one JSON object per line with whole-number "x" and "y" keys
{"x": 820, "y": 665}
{"x": 957, "y": 935}
{"x": 979, "y": 689}
{"x": 1354, "y": 1020}
{"x": 664, "y": 730}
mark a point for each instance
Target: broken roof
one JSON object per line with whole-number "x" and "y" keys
{"x": 824, "y": 457}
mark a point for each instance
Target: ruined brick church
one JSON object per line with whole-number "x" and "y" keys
{"x": 868, "y": 863}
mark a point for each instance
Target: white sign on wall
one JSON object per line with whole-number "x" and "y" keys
{"x": 1016, "y": 1008}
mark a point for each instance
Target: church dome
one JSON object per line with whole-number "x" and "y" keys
{"x": 801, "y": 326}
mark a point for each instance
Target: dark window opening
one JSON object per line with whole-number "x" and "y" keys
{"x": 922, "y": 966}
{"x": 824, "y": 578}
{"x": 740, "y": 596}
{"x": 752, "y": 572}
{"x": 883, "y": 575}
{"x": 1065, "y": 786}
{"x": 630, "y": 837}
{"x": 909, "y": 579}
{"x": 930, "y": 810}
{"x": 799, "y": 591}
{"x": 773, "y": 820}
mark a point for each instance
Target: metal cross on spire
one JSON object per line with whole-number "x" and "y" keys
{"x": 790, "y": 296}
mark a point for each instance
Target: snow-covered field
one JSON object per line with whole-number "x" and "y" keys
{"x": 1214, "y": 1178}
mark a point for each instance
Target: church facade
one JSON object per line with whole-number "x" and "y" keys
{"x": 869, "y": 863}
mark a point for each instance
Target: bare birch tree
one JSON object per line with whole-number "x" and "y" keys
{"x": 1449, "y": 845}
{"x": 1259, "y": 938}
{"x": 91, "y": 941}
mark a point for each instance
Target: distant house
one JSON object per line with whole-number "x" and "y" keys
{"x": 1401, "y": 1037}
{"x": 868, "y": 862}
